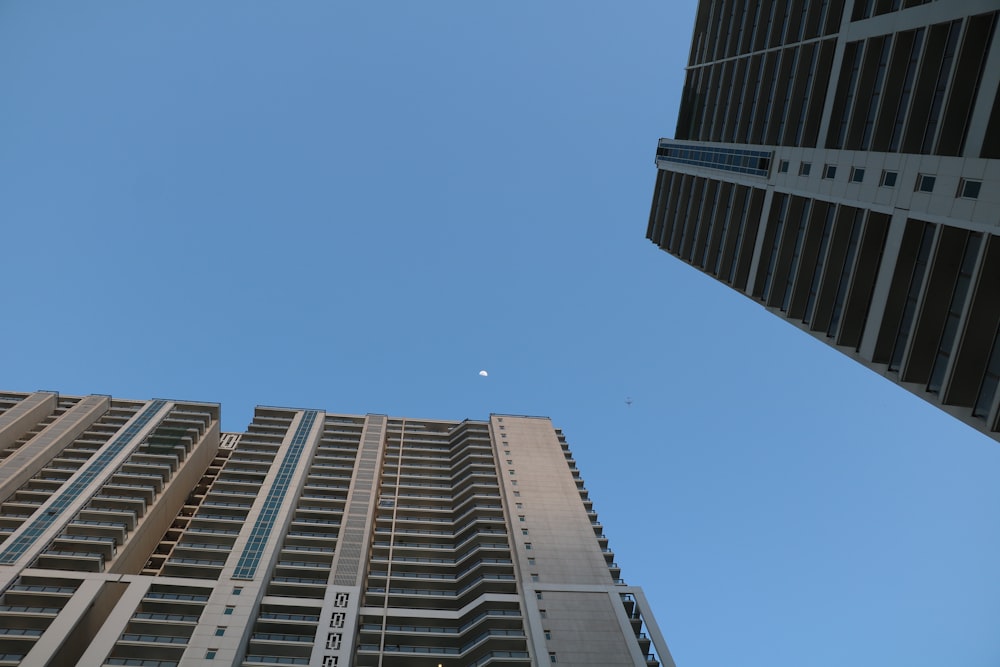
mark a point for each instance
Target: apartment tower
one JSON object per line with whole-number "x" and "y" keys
{"x": 838, "y": 161}
{"x": 136, "y": 533}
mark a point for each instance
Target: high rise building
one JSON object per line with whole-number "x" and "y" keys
{"x": 136, "y": 533}
{"x": 837, "y": 162}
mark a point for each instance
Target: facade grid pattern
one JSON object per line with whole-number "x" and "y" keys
{"x": 140, "y": 575}
{"x": 888, "y": 249}
{"x": 38, "y": 526}
{"x": 261, "y": 533}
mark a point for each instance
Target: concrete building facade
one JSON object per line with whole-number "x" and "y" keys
{"x": 839, "y": 163}
{"x": 137, "y": 533}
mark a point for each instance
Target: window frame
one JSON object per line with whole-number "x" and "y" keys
{"x": 963, "y": 186}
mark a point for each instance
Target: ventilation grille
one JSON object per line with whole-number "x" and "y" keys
{"x": 352, "y": 537}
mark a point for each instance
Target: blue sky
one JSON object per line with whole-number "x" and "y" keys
{"x": 357, "y": 207}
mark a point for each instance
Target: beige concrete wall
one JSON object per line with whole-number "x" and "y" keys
{"x": 232, "y": 644}
{"x": 583, "y": 629}
{"x": 91, "y": 621}
{"x": 104, "y": 635}
{"x": 35, "y": 454}
{"x": 563, "y": 544}
{"x": 22, "y": 417}
{"x": 9, "y": 573}
{"x": 564, "y": 580}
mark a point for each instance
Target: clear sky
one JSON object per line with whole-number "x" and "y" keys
{"x": 358, "y": 206}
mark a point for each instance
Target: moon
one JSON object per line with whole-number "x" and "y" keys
{"x": 484, "y": 373}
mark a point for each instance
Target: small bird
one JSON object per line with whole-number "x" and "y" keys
{"x": 628, "y": 401}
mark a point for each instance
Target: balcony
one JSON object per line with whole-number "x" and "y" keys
{"x": 254, "y": 659}
{"x": 25, "y": 611}
{"x": 79, "y": 561}
{"x": 298, "y": 587}
{"x": 282, "y": 638}
{"x": 468, "y": 648}
{"x": 102, "y": 516}
{"x": 158, "y": 618}
{"x": 139, "y": 479}
{"x": 195, "y": 568}
{"x": 114, "y": 531}
{"x": 119, "y": 503}
{"x": 104, "y": 545}
{"x": 145, "y": 639}
{"x": 145, "y": 492}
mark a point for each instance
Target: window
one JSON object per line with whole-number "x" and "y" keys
{"x": 969, "y": 189}
{"x": 509, "y": 461}
{"x": 229, "y": 611}
{"x": 538, "y": 595}
{"x": 520, "y": 517}
{"x": 805, "y": 168}
{"x": 739, "y": 160}
{"x": 548, "y": 634}
{"x": 783, "y": 167}
{"x": 512, "y": 471}
{"x": 857, "y": 175}
{"x": 520, "y": 506}
{"x": 527, "y": 546}
{"x": 513, "y": 482}
{"x": 534, "y": 576}
{"x": 552, "y": 656}
{"x": 925, "y": 183}
{"x": 506, "y": 452}
{"x": 830, "y": 171}
{"x": 237, "y": 590}
{"x": 531, "y": 561}
{"x": 524, "y": 531}
{"x": 888, "y": 179}
{"x": 543, "y": 613}
{"x": 219, "y": 631}
{"x": 210, "y": 653}
{"x": 517, "y": 494}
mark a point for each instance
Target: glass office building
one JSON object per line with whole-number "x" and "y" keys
{"x": 839, "y": 163}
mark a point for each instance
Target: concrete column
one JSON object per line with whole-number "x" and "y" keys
{"x": 659, "y": 643}
{"x": 52, "y": 641}
{"x": 31, "y": 457}
{"x": 115, "y": 623}
{"x": 758, "y": 247}
{"x": 22, "y": 417}
{"x": 834, "y": 75}
{"x": 338, "y": 621}
{"x": 880, "y": 295}
{"x": 252, "y": 580}
{"x": 50, "y": 519}
{"x": 982, "y": 106}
